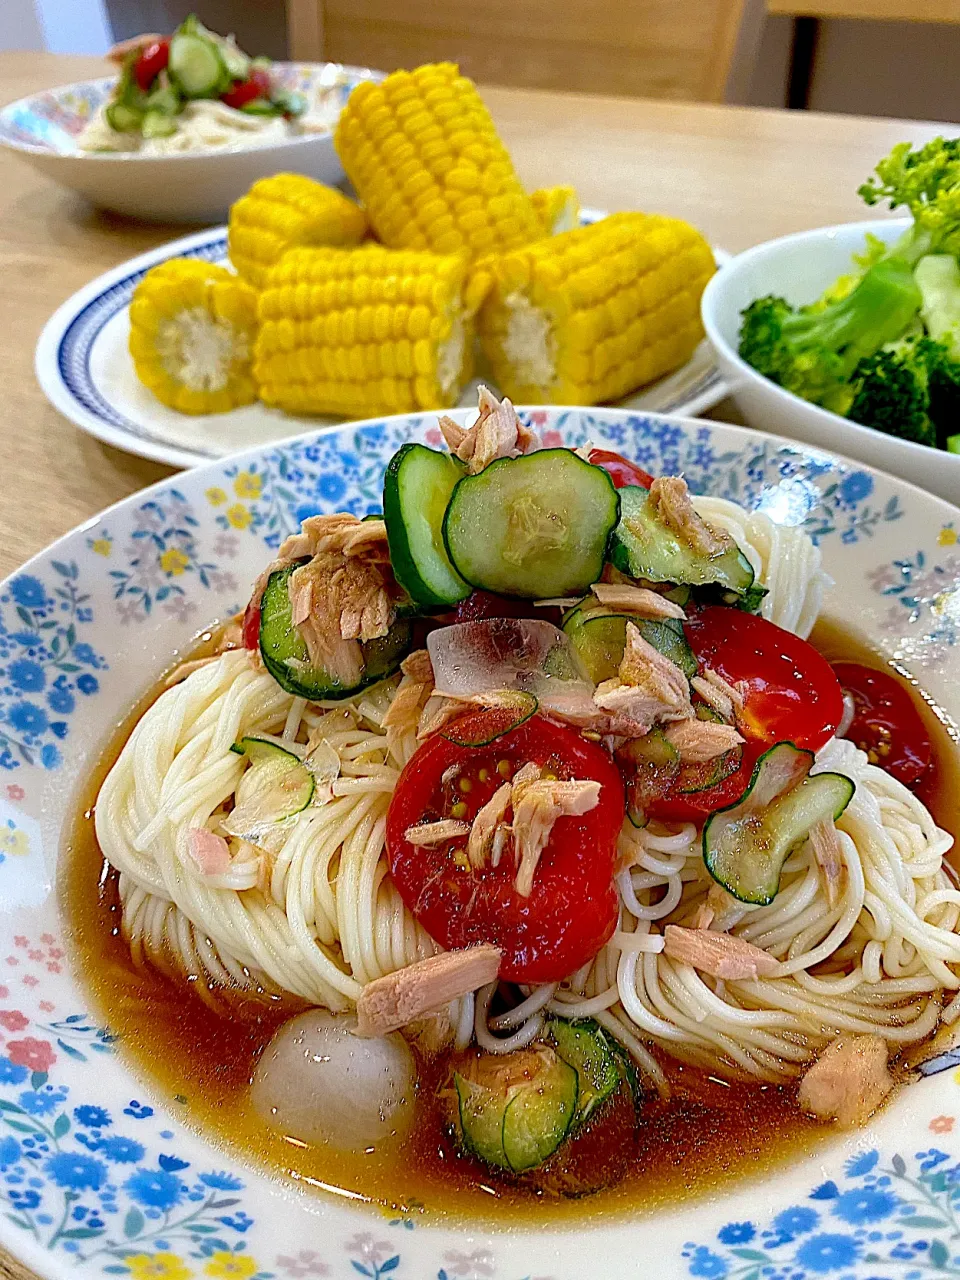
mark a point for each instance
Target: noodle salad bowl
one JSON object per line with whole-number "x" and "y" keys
{"x": 105, "y": 1172}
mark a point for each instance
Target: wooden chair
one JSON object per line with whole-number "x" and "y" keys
{"x": 682, "y": 49}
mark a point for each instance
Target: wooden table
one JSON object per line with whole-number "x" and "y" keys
{"x": 742, "y": 175}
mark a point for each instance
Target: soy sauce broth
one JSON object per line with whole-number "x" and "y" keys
{"x": 199, "y": 1060}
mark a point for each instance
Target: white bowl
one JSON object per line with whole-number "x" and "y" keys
{"x": 196, "y": 186}
{"x": 799, "y": 268}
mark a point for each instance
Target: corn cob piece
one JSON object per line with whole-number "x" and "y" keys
{"x": 423, "y": 154}
{"x": 594, "y": 313}
{"x": 365, "y": 331}
{"x": 192, "y": 328}
{"x": 284, "y": 211}
{"x": 557, "y": 208}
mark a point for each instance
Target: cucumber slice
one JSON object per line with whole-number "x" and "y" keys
{"x": 598, "y": 638}
{"x": 275, "y": 786}
{"x": 284, "y": 650}
{"x": 515, "y": 1110}
{"x": 746, "y": 845}
{"x": 583, "y": 1046}
{"x": 196, "y": 66}
{"x": 505, "y": 712}
{"x": 122, "y": 118}
{"x": 650, "y": 765}
{"x": 157, "y": 124}
{"x": 644, "y": 547}
{"x": 416, "y": 493}
{"x": 261, "y": 107}
{"x": 535, "y": 526}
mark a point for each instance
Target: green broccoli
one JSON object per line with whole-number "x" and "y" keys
{"x": 927, "y": 182}
{"x": 909, "y": 389}
{"x": 813, "y": 351}
{"x": 938, "y": 279}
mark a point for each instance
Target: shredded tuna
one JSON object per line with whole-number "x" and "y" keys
{"x": 209, "y": 851}
{"x": 417, "y": 666}
{"x": 438, "y": 710}
{"x": 535, "y": 810}
{"x": 558, "y": 602}
{"x": 485, "y": 825}
{"x": 719, "y": 954}
{"x": 427, "y": 834}
{"x": 497, "y": 433}
{"x": 848, "y": 1081}
{"x": 670, "y": 499}
{"x": 649, "y": 687}
{"x": 432, "y": 1034}
{"x": 639, "y": 600}
{"x": 702, "y": 740}
{"x": 703, "y": 916}
{"x": 397, "y": 999}
{"x": 726, "y": 699}
{"x": 828, "y": 855}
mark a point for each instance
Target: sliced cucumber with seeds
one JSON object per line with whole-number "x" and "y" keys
{"x": 535, "y": 526}
{"x": 746, "y": 845}
{"x": 650, "y": 766}
{"x": 583, "y": 1046}
{"x": 516, "y": 1110}
{"x": 416, "y": 493}
{"x": 196, "y": 66}
{"x": 499, "y": 714}
{"x": 284, "y": 650}
{"x": 599, "y": 637}
{"x": 157, "y": 124}
{"x": 275, "y": 786}
{"x": 644, "y": 547}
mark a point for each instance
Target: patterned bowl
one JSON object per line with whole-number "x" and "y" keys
{"x": 100, "y": 1175}
{"x": 195, "y": 186}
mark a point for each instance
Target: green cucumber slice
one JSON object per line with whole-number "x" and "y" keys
{"x": 261, "y": 107}
{"x": 583, "y": 1046}
{"x": 284, "y": 650}
{"x": 503, "y": 713}
{"x": 598, "y": 638}
{"x": 746, "y": 845}
{"x": 416, "y": 492}
{"x": 650, "y": 766}
{"x": 535, "y": 526}
{"x": 644, "y": 547}
{"x": 122, "y": 118}
{"x": 196, "y": 66}
{"x": 275, "y": 786}
{"x": 515, "y": 1110}
{"x": 157, "y": 124}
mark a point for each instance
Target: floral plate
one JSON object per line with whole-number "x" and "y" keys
{"x": 101, "y": 1176}
{"x": 86, "y": 372}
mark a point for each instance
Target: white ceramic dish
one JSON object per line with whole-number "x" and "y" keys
{"x": 799, "y": 268}
{"x": 84, "y": 367}
{"x": 196, "y": 186}
{"x": 101, "y": 1175}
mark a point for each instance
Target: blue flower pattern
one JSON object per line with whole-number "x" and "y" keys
{"x": 890, "y": 1220}
{"x": 45, "y": 668}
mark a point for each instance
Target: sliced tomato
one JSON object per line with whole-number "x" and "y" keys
{"x": 572, "y": 909}
{"x": 792, "y": 695}
{"x": 257, "y": 85}
{"x": 886, "y": 724}
{"x": 153, "y": 59}
{"x": 621, "y": 470}
{"x": 251, "y": 627}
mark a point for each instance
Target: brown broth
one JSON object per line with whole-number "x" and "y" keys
{"x": 199, "y": 1059}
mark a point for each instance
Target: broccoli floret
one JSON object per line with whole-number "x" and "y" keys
{"x": 938, "y": 278}
{"x": 813, "y": 352}
{"x": 927, "y": 182}
{"x": 909, "y": 389}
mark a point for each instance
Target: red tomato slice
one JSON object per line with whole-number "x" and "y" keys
{"x": 153, "y": 59}
{"x": 257, "y": 85}
{"x": 792, "y": 696}
{"x": 886, "y": 724}
{"x": 251, "y": 626}
{"x": 620, "y": 469}
{"x": 572, "y": 909}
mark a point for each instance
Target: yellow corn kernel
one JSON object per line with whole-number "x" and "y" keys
{"x": 593, "y": 313}
{"x": 365, "y": 347}
{"x": 418, "y": 148}
{"x": 192, "y": 330}
{"x": 557, "y": 208}
{"x": 284, "y": 211}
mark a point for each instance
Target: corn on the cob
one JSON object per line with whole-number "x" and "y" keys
{"x": 557, "y": 208}
{"x": 594, "y": 313}
{"x": 365, "y": 331}
{"x": 423, "y": 154}
{"x": 192, "y": 327}
{"x": 284, "y": 211}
